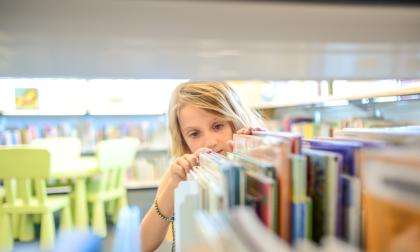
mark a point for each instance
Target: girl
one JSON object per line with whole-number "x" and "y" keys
{"x": 203, "y": 116}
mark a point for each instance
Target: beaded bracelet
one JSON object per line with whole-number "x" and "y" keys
{"x": 163, "y": 217}
{"x": 170, "y": 220}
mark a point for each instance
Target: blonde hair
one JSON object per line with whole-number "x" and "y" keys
{"x": 213, "y": 96}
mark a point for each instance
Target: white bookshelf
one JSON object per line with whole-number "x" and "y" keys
{"x": 332, "y": 98}
{"x": 134, "y": 184}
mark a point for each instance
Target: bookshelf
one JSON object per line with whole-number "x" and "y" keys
{"x": 152, "y": 156}
{"x": 133, "y": 185}
{"x": 350, "y": 191}
{"x": 323, "y": 113}
{"x": 326, "y": 99}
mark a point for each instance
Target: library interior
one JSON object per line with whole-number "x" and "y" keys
{"x": 92, "y": 125}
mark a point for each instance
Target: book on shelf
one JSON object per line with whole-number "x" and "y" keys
{"x": 391, "y": 199}
{"x": 394, "y": 136}
{"x": 276, "y": 150}
{"x": 364, "y": 192}
{"x": 324, "y": 170}
{"x": 249, "y": 165}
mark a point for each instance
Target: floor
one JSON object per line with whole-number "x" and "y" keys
{"x": 143, "y": 198}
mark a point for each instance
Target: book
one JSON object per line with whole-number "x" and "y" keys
{"x": 231, "y": 171}
{"x": 294, "y": 138}
{"x": 299, "y": 178}
{"x": 250, "y": 164}
{"x": 324, "y": 169}
{"x": 277, "y": 151}
{"x": 351, "y": 231}
{"x": 348, "y": 150}
{"x": 263, "y": 189}
{"x": 391, "y": 199}
{"x": 216, "y": 234}
{"x": 253, "y": 234}
{"x": 298, "y": 221}
{"x": 186, "y": 204}
{"x": 394, "y": 136}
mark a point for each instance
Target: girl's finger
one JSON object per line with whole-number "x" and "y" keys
{"x": 178, "y": 170}
{"x": 231, "y": 145}
{"x": 184, "y": 164}
{"x": 192, "y": 159}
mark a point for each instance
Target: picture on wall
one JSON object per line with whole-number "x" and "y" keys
{"x": 26, "y": 98}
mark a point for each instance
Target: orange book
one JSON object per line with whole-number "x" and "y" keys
{"x": 391, "y": 195}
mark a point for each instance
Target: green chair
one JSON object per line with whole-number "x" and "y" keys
{"x": 114, "y": 156}
{"x": 4, "y": 239}
{"x": 63, "y": 151}
{"x": 20, "y": 167}
{"x": 67, "y": 162}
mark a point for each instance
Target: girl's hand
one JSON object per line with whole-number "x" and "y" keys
{"x": 248, "y": 130}
{"x": 183, "y": 164}
{"x": 243, "y": 131}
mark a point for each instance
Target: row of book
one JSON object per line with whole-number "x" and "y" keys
{"x": 309, "y": 190}
{"x": 25, "y": 135}
{"x": 148, "y": 168}
{"x": 88, "y": 133}
{"x": 309, "y": 128}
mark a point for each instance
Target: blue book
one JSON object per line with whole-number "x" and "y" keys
{"x": 295, "y": 222}
{"x": 298, "y": 221}
{"x": 232, "y": 172}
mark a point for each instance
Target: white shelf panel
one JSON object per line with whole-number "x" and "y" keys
{"x": 141, "y": 185}
{"x": 400, "y": 92}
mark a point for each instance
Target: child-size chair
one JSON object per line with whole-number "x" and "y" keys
{"x": 113, "y": 156}
{"x": 20, "y": 167}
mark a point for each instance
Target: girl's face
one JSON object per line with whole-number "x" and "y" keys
{"x": 203, "y": 129}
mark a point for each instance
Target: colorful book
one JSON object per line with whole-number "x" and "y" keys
{"x": 323, "y": 187}
{"x": 294, "y": 138}
{"x": 263, "y": 189}
{"x": 277, "y": 151}
{"x": 351, "y": 210}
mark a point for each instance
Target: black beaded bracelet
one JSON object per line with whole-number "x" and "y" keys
{"x": 167, "y": 219}
{"x": 163, "y": 217}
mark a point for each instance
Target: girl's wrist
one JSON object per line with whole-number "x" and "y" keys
{"x": 174, "y": 181}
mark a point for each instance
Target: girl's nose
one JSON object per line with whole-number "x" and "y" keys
{"x": 211, "y": 142}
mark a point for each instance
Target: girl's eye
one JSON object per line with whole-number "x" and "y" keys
{"x": 218, "y": 126}
{"x": 194, "y": 134}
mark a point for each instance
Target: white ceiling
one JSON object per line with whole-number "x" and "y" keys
{"x": 207, "y": 40}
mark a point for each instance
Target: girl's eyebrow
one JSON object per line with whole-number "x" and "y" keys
{"x": 218, "y": 118}
{"x": 189, "y": 128}
{"x": 213, "y": 120}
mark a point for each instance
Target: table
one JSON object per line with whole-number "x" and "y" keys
{"x": 78, "y": 171}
